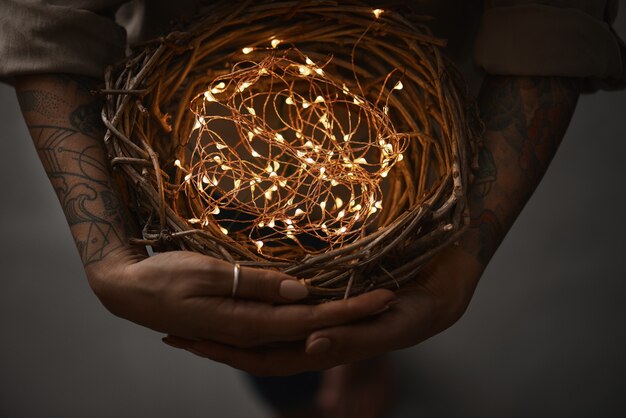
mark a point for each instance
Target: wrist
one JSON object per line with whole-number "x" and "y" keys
{"x": 450, "y": 279}
{"x": 465, "y": 267}
{"x": 108, "y": 277}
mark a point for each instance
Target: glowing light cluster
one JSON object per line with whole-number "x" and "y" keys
{"x": 281, "y": 150}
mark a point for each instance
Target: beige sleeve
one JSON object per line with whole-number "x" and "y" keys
{"x": 77, "y": 37}
{"x": 551, "y": 37}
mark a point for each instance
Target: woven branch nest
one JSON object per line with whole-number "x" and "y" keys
{"x": 149, "y": 122}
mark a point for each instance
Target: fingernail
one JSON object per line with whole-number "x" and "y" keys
{"x": 292, "y": 290}
{"x": 318, "y": 346}
{"x": 378, "y": 312}
{"x": 391, "y": 303}
{"x": 172, "y": 343}
{"x": 387, "y": 307}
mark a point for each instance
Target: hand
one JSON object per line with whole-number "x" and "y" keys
{"x": 189, "y": 295}
{"x": 435, "y": 301}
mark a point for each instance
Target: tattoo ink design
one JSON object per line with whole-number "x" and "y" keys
{"x": 486, "y": 175}
{"x": 82, "y": 192}
{"x": 42, "y": 102}
{"x": 86, "y": 118}
{"x": 531, "y": 114}
{"x": 71, "y": 150}
{"x": 546, "y": 126}
{"x": 502, "y": 107}
{"x": 526, "y": 119}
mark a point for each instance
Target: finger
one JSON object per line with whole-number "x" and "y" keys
{"x": 222, "y": 278}
{"x": 247, "y": 323}
{"x": 392, "y": 329}
{"x": 269, "y": 286}
{"x": 400, "y": 327}
{"x": 264, "y": 361}
{"x": 346, "y": 344}
{"x": 343, "y": 345}
{"x": 256, "y": 324}
{"x": 332, "y": 313}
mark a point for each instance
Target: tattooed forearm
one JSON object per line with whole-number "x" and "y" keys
{"x": 490, "y": 233}
{"x": 63, "y": 119}
{"x": 526, "y": 119}
{"x": 42, "y": 103}
{"x": 486, "y": 175}
{"x": 86, "y": 119}
{"x": 79, "y": 177}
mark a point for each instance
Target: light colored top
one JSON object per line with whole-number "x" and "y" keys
{"x": 510, "y": 37}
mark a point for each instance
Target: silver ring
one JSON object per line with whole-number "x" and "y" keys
{"x": 236, "y": 270}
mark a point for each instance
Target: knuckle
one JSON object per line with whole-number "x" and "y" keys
{"x": 260, "y": 283}
{"x": 210, "y": 279}
{"x": 315, "y": 317}
{"x": 271, "y": 282}
{"x": 265, "y": 274}
{"x": 177, "y": 290}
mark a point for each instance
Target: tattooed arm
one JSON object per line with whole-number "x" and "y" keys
{"x": 64, "y": 121}
{"x": 181, "y": 293}
{"x": 526, "y": 119}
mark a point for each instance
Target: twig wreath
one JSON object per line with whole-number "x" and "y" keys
{"x": 333, "y": 142}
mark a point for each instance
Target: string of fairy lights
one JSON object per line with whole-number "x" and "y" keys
{"x": 283, "y": 151}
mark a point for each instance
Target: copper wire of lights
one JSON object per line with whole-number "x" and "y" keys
{"x": 230, "y": 142}
{"x": 281, "y": 150}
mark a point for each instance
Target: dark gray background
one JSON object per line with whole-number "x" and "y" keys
{"x": 545, "y": 335}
